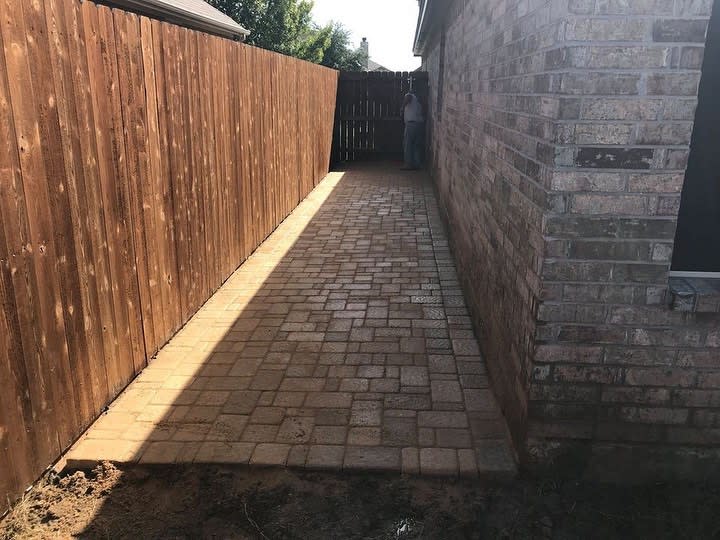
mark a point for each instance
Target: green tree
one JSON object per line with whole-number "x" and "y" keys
{"x": 286, "y": 26}
{"x": 278, "y": 25}
{"x": 339, "y": 54}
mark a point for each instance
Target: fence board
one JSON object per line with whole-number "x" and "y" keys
{"x": 81, "y": 306}
{"x": 140, "y": 164}
{"x": 41, "y": 323}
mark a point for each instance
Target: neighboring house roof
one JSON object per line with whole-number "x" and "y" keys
{"x": 429, "y": 12}
{"x": 195, "y": 14}
{"x": 374, "y": 66}
{"x": 368, "y": 63}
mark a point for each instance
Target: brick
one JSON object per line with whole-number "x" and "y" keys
{"x": 372, "y": 458}
{"x": 410, "y": 461}
{"x": 385, "y": 386}
{"x": 609, "y": 204}
{"x": 364, "y": 436}
{"x": 266, "y": 380}
{"x": 660, "y": 377}
{"x": 355, "y": 385}
{"x": 442, "y": 419}
{"x": 692, "y": 57}
{"x": 606, "y": 30}
{"x": 679, "y": 30}
{"x": 656, "y": 183}
{"x": 412, "y": 345}
{"x": 465, "y": 347}
{"x": 649, "y": 396}
{"x": 163, "y": 452}
{"x": 270, "y": 454}
{"x": 297, "y": 456}
{"x": 295, "y": 430}
{"x": 637, "y": 7}
{"x": 371, "y": 372}
{"x": 438, "y": 462}
{"x": 453, "y": 438}
{"x": 366, "y": 414}
{"x": 224, "y": 452}
{"x": 259, "y": 433}
{"x": 615, "y": 158}
{"x": 191, "y": 433}
{"x": 598, "y": 83}
{"x": 408, "y": 402}
{"x": 227, "y": 427}
{"x": 267, "y": 415}
{"x": 446, "y": 391}
{"x": 477, "y": 400}
{"x": 399, "y": 432}
{"x": 328, "y": 400}
{"x": 467, "y": 464}
{"x": 414, "y": 376}
{"x": 625, "y": 57}
{"x": 329, "y": 435}
{"x": 325, "y": 457}
{"x": 618, "y": 109}
{"x": 671, "y": 84}
{"x": 654, "y": 415}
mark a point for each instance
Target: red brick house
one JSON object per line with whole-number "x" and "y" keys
{"x": 574, "y": 149}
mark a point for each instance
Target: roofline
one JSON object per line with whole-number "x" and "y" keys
{"x": 165, "y": 10}
{"x": 423, "y": 24}
{"x": 420, "y": 24}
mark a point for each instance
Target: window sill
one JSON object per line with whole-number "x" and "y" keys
{"x": 694, "y": 295}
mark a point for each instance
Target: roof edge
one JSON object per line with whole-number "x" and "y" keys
{"x": 424, "y": 25}
{"x": 174, "y": 14}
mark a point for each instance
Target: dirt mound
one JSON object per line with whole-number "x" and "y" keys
{"x": 218, "y": 502}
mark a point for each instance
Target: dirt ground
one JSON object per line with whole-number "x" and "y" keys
{"x": 221, "y": 502}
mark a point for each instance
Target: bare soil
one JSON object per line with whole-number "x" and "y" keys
{"x": 224, "y": 502}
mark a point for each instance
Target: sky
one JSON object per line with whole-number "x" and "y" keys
{"x": 389, "y": 26}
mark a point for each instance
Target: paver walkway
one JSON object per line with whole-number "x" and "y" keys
{"x": 343, "y": 342}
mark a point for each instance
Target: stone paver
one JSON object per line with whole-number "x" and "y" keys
{"x": 343, "y": 342}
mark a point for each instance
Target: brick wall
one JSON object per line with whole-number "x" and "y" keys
{"x": 559, "y": 150}
{"x": 491, "y": 158}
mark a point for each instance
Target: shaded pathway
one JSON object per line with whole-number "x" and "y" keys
{"x": 343, "y": 342}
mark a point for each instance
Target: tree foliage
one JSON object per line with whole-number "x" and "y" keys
{"x": 339, "y": 54}
{"x": 286, "y": 26}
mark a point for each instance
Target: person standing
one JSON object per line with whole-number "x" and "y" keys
{"x": 414, "y": 131}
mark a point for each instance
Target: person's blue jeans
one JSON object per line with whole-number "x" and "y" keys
{"x": 413, "y": 143}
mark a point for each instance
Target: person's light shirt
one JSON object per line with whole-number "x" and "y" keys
{"x": 413, "y": 111}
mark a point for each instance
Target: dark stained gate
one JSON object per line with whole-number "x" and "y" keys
{"x": 368, "y": 117}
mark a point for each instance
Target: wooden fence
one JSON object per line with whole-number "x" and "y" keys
{"x": 140, "y": 164}
{"x": 368, "y": 119}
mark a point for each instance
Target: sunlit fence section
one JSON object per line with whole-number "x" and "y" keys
{"x": 140, "y": 164}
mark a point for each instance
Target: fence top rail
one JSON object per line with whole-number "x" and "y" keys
{"x": 362, "y": 75}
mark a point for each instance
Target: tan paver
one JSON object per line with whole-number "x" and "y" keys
{"x": 343, "y": 342}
